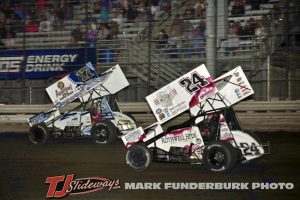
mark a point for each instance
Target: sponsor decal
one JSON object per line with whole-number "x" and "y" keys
{"x": 106, "y": 112}
{"x": 243, "y": 90}
{"x": 134, "y": 137}
{"x": 238, "y": 93}
{"x": 165, "y": 97}
{"x": 11, "y": 64}
{"x": 161, "y": 116}
{"x": 179, "y": 136}
{"x": 158, "y": 111}
{"x": 64, "y": 185}
{"x": 63, "y": 91}
{"x": 38, "y": 118}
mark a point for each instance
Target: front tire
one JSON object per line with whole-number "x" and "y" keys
{"x": 219, "y": 156}
{"x": 38, "y": 134}
{"x": 104, "y": 132}
{"x": 139, "y": 157}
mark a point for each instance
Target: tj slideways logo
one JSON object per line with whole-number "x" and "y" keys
{"x": 64, "y": 185}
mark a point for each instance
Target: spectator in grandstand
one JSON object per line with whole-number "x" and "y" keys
{"x": 166, "y": 6}
{"x": 18, "y": 25}
{"x": 266, "y": 23}
{"x": 232, "y": 43}
{"x": 140, "y": 20}
{"x": 76, "y": 34}
{"x": 41, "y": 5}
{"x": 177, "y": 24}
{"x": 118, "y": 17}
{"x": 154, "y": 8}
{"x": 19, "y": 11}
{"x": 104, "y": 15}
{"x": 238, "y": 8}
{"x": 49, "y": 12}
{"x": 198, "y": 43}
{"x": 60, "y": 17}
{"x": 68, "y": 10}
{"x": 189, "y": 11}
{"x": 104, "y": 7}
{"x": 236, "y": 26}
{"x": 117, "y": 4}
{"x": 9, "y": 40}
{"x": 111, "y": 35}
{"x": 186, "y": 43}
{"x": 260, "y": 32}
{"x": 32, "y": 26}
{"x": 255, "y": 4}
{"x": 186, "y": 26}
{"x": 201, "y": 28}
{"x": 105, "y": 4}
{"x": 113, "y": 26}
{"x": 87, "y": 6}
{"x": 131, "y": 13}
{"x": 162, "y": 40}
{"x": 174, "y": 44}
{"x": 199, "y": 8}
{"x": 10, "y": 17}
{"x": 249, "y": 28}
{"x": 103, "y": 31}
{"x": 91, "y": 36}
{"x": 45, "y": 25}
{"x": 90, "y": 20}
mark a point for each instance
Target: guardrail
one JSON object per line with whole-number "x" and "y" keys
{"x": 259, "y": 116}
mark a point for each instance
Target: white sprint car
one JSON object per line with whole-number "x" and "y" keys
{"x": 212, "y": 136}
{"x": 97, "y": 115}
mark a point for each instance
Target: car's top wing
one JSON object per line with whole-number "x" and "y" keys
{"x": 174, "y": 98}
{"x": 85, "y": 84}
{"x": 112, "y": 81}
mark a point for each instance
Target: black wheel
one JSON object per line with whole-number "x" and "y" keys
{"x": 219, "y": 156}
{"x": 139, "y": 157}
{"x": 104, "y": 132}
{"x": 38, "y": 134}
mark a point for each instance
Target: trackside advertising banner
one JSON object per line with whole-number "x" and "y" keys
{"x": 43, "y": 63}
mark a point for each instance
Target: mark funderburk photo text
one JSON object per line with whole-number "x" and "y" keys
{"x": 208, "y": 186}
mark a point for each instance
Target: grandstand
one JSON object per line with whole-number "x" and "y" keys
{"x": 153, "y": 41}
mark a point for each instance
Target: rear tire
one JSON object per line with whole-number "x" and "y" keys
{"x": 219, "y": 156}
{"x": 104, "y": 132}
{"x": 139, "y": 157}
{"x": 38, "y": 134}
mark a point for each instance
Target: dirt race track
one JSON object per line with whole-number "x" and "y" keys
{"x": 25, "y": 167}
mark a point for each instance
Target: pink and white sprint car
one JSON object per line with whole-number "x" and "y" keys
{"x": 212, "y": 136}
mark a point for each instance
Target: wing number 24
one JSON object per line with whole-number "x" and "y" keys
{"x": 193, "y": 84}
